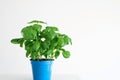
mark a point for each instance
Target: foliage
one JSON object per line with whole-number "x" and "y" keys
{"x": 41, "y": 43}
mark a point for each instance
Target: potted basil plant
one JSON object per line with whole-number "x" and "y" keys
{"x": 43, "y": 46}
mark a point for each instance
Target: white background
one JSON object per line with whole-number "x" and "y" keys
{"x": 93, "y": 25}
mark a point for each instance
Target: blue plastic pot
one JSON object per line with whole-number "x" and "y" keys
{"x": 41, "y": 69}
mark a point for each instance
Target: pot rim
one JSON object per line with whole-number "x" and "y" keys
{"x": 42, "y": 60}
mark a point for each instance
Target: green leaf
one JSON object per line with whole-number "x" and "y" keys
{"x": 36, "y": 45}
{"x": 66, "y": 54}
{"x": 37, "y": 27}
{"x": 17, "y": 40}
{"x": 49, "y": 52}
{"x": 70, "y": 40}
{"x": 27, "y": 54}
{"x": 36, "y": 21}
{"x": 51, "y": 28}
{"x": 29, "y": 33}
{"x": 33, "y": 56}
{"x": 48, "y": 34}
{"x": 28, "y": 43}
{"x": 45, "y": 44}
{"x": 57, "y": 53}
{"x": 42, "y": 51}
{"x": 54, "y": 43}
{"x": 67, "y": 40}
{"x": 61, "y": 42}
{"x": 21, "y": 43}
{"x": 28, "y": 46}
{"x": 51, "y": 35}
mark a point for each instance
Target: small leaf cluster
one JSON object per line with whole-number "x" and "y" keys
{"x": 45, "y": 43}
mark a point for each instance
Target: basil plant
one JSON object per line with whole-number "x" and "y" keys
{"x": 45, "y": 43}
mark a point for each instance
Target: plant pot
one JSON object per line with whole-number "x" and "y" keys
{"x": 41, "y": 69}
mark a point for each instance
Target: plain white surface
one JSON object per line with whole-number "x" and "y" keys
{"x": 15, "y": 77}
{"x": 29, "y": 77}
{"x": 93, "y": 25}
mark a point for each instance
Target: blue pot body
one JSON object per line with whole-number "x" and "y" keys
{"x": 41, "y": 69}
